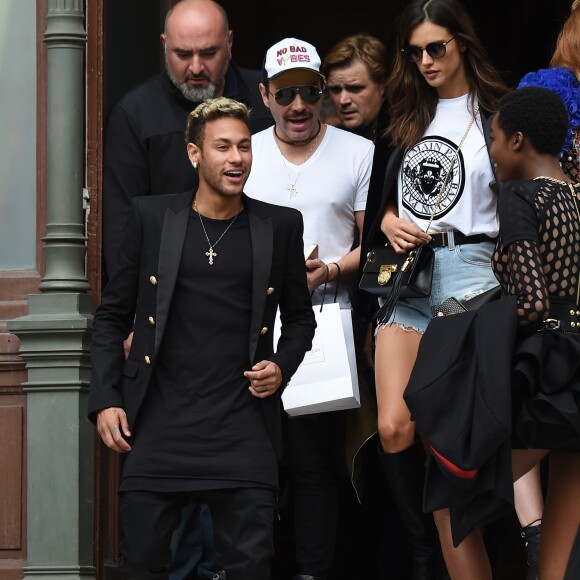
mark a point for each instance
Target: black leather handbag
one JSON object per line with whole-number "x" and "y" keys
{"x": 395, "y": 276}
{"x": 384, "y": 266}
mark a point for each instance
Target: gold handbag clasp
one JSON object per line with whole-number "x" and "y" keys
{"x": 385, "y": 273}
{"x": 410, "y": 258}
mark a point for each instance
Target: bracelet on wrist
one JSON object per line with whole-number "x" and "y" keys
{"x": 337, "y": 270}
{"x": 327, "y": 274}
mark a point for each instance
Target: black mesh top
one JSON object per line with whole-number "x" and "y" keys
{"x": 537, "y": 256}
{"x": 571, "y": 158}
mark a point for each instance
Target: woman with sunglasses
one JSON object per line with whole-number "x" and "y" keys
{"x": 441, "y": 91}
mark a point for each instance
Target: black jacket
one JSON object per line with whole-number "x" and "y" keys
{"x": 145, "y": 151}
{"x": 364, "y": 303}
{"x": 459, "y": 395}
{"x": 141, "y": 289}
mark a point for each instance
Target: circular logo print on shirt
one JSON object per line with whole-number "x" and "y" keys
{"x": 425, "y": 167}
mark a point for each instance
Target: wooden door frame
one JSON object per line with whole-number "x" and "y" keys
{"x": 107, "y": 463}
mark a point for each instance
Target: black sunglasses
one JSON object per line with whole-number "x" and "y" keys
{"x": 434, "y": 50}
{"x": 310, "y": 94}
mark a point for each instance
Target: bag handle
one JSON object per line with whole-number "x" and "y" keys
{"x": 326, "y": 284}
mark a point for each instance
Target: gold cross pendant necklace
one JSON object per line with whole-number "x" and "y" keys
{"x": 211, "y": 254}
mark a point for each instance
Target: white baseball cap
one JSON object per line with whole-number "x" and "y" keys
{"x": 291, "y": 54}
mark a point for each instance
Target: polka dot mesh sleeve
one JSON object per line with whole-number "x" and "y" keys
{"x": 537, "y": 265}
{"x": 571, "y": 158}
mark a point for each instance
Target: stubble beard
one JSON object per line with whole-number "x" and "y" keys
{"x": 212, "y": 181}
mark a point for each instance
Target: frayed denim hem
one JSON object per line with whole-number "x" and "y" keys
{"x": 404, "y": 327}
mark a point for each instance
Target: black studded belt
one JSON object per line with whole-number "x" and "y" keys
{"x": 441, "y": 239}
{"x": 563, "y": 318}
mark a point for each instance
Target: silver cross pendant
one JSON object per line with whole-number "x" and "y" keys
{"x": 211, "y": 255}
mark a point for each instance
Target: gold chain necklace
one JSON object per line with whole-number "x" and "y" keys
{"x": 211, "y": 254}
{"x": 292, "y": 189}
{"x": 552, "y": 179}
{"x": 447, "y": 175}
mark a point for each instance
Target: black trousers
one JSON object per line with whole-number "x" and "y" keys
{"x": 315, "y": 445}
{"x": 243, "y": 520}
{"x": 192, "y": 544}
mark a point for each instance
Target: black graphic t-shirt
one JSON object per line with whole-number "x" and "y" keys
{"x": 465, "y": 202}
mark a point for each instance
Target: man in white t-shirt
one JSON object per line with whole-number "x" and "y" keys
{"x": 324, "y": 172}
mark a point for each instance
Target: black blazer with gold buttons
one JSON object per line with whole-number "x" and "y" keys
{"x": 138, "y": 297}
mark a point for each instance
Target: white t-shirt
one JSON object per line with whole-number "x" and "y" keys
{"x": 468, "y": 204}
{"x": 330, "y": 187}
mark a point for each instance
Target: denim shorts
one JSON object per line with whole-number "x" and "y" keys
{"x": 461, "y": 272}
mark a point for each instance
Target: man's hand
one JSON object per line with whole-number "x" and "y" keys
{"x": 110, "y": 422}
{"x": 316, "y": 273}
{"x": 127, "y": 345}
{"x": 265, "y": 379}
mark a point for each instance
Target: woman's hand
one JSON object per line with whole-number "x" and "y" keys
{"x": 402, "y": 234}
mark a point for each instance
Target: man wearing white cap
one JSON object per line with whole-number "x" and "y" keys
{"x": 323, "y": 172}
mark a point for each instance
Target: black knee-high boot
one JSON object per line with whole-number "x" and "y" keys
{"x": 531, "y": 536}
{"x": 405, "y": 473}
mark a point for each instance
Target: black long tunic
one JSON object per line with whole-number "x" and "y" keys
{"x": 199, "y": 427}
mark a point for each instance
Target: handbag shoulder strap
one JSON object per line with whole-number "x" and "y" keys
{"x": 453, "y": 160}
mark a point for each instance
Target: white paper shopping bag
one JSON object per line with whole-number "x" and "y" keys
{"x": 327, "y": 378}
